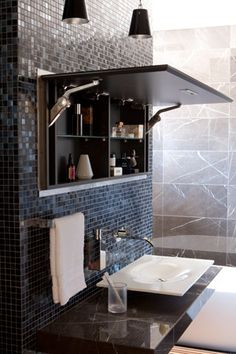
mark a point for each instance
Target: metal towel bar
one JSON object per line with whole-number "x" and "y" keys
{"x": 41, "y": 223}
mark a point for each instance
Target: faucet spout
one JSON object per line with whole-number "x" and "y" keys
{"x": 124, "y": 234}
{"x": 148, "y": 240}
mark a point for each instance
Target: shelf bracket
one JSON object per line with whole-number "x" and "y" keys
{"x": 156, "y": 118}
{"x": 64, "y": 102}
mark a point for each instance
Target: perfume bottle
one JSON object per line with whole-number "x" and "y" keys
{"x": 70, "y": 169}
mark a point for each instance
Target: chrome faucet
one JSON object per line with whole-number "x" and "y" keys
{"x": 123, "y": 233}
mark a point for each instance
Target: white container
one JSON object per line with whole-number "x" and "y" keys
{"x": 116, "y": 171}
{"x": 112, "y": 160}
{"x": 84, "y": 169}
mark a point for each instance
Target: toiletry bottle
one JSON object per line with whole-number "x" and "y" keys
{"x": 70, "y": 169}
{"x": 124, "y": 163}
{"x": 120, "y": 129}
{"x": 112, "y": 160}
{"x": 77, "y": 121}
{"x": 87, "y": 112}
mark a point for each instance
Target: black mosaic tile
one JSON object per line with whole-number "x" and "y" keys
{"x": 32, "y": 36}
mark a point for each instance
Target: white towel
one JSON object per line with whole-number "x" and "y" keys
{"x": 55, "y": 293}
{"x": 67, "y": 257}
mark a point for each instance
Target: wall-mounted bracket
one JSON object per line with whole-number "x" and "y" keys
{"x": 38, "y": 223}
{"x": 64, "y": 102}
{"x": 156, "y": 118}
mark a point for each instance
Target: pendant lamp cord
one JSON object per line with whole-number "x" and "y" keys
{"x": 140, "y": 4}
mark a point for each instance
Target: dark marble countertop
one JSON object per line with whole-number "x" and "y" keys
{"x": 152, "y": 324}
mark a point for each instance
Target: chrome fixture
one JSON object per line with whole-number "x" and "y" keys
{"x": 122, "y": 101}
{"x": 64, "y": 102}
{"x": 139, "y": 27}
{"x": 128, "y": 100}
{"x": 156, "y": 118}
{"x": 75, "y": 12}
{"x": 38, "y": 222}
{"x": 95, "y": 250}
{"x": 98, "y": 94}
{"x": 125, "y": 234}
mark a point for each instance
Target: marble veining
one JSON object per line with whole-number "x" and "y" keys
{"x": 185, "y": 224}
{"x": 189, "y": 166}
{"x": 153, "y": 323}
{"x": 194, "y": 179}
{"x": 195, "y": 201}
{"x": 195, "y": 134}
{"x": 195, "y": 243}
{"x": 232, "y": 202}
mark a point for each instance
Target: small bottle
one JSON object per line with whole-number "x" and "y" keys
{"x": 87, "y": 112}
{"x": 70, "y": 169}
{"x": 112, "y": 160}
{"x": 77, "y": 121}
{"x": 120, "y": 130}
{"x": 124, "y": 163}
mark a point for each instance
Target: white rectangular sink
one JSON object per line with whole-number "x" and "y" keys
{"x": 161, "y": 274}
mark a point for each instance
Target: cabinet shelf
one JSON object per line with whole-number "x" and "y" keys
{"x": 98, "y": 146}
{"x": 126, "y": 138}
{"x": 69, "y": 136}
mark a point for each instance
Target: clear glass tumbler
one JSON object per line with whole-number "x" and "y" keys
{"x": 117, "y": 298}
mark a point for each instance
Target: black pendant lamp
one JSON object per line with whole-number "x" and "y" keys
{"x": 139, "y": 27}
{"x": 75, "y": 12}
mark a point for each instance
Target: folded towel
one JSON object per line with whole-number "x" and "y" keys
{"x": 55, "y": 293}
{"x": 67, "y": 257}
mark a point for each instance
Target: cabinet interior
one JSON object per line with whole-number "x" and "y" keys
{"x": 123, "y": 95}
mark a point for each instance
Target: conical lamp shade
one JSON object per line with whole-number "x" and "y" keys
{"x": 139, "y": 27}
{"x": 75, "y": 12}
{"x": 84, "y": 169}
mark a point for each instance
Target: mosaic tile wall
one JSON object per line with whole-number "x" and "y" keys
{"x": 194, "y": 150}
{"x": 10, "y": 279}
{"x": 33, "y": 36}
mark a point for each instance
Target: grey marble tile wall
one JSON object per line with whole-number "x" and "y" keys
{"x": 33, "y": 36}
{"x": 194, "y": 160}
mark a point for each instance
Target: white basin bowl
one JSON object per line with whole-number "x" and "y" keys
{"x": 165, "y": 271}
{"x": 160, "y": 274}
